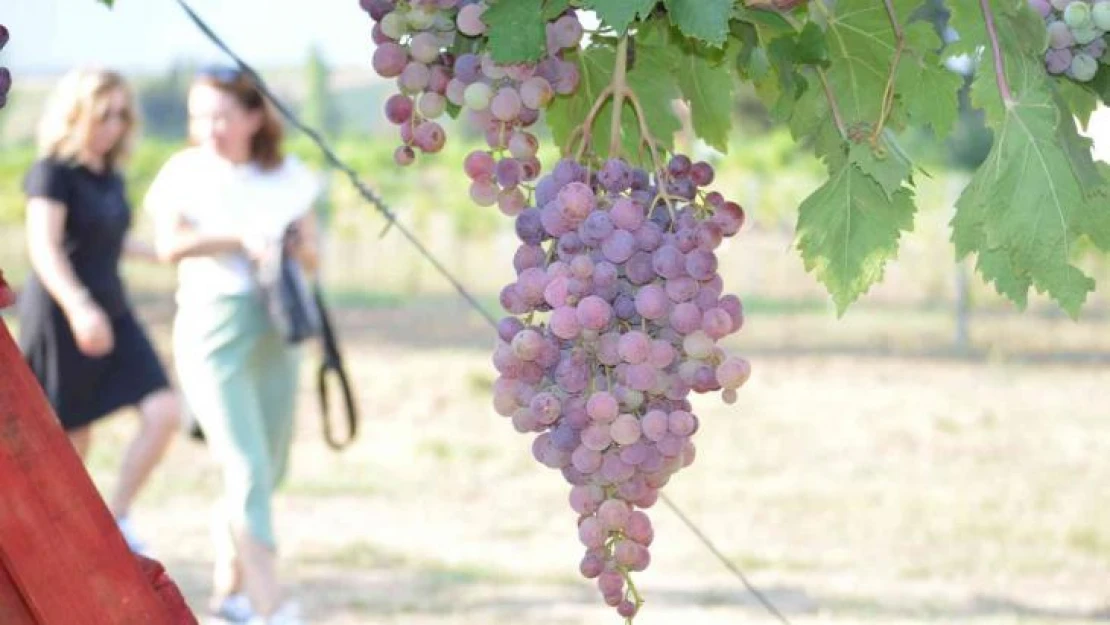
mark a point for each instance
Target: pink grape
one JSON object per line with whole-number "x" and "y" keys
{"x": 390, "y": 59}
{"x": 470, "y": 20}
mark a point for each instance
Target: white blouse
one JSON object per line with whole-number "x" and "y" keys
{"x": 220, "y": 198}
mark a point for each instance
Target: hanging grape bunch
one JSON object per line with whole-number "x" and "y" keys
{"x": 414, "y": 39}
{"x": 505, "y": 100}
{"x": 1076, "y": 36}
{"x": 617, "y": 310}
{"x": 5, "y": 75}
{"x": 632, "y": 309}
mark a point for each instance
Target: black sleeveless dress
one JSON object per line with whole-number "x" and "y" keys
{"x": 98, "y": 216}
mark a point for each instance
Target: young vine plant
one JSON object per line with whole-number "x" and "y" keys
{"x": 617, "y": 307}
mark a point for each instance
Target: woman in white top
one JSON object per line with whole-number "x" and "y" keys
{"x": 218, "y": 206}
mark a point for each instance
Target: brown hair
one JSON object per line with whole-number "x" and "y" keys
{"x": 72, "y": 110}
{"x": 266, "y": 142}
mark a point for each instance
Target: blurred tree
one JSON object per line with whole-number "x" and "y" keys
{"x": 319, "y": 109}
{"x": 162, "y": 101}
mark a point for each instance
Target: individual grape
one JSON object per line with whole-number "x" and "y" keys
{"x": 509, "y": 172}
{"x": 484, "y": 192}
{"x": 1060, "y": 35}
{"x": 536, "y": 92}
{"x": 470, "y": 20}
{"x": 505, "y": 106}
{"x": 615, "y": 175}
{"x": 390, "y": 60}
{"x": 1087, "y": 34}
{"x": 398, "y": 108}
{"x": 523, "y": 145}
{"x": 424, "y": 47}
{"x": 512, "y": 202}
{"x": 619, "y": 246}
{"x": 432, "y": 105}
{"x": 414, "y": 78}
{"x": 1100, "y": 15}
{"x": 1077, "y": 15}
{"x": 479, "y": 165}
{"x": 1083, "y": 67}
{"x": 701, "y": 173}
{"x": 1058, "y": 60}
{"x": 429, "y": 137}
{"x": 477, "y": 96}
{"x": 1096, "y": 49}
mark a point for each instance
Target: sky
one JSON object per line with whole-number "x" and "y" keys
{"x": 49, "y": 36}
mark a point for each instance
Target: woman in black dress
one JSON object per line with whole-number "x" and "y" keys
{"x": 77, "y": 329}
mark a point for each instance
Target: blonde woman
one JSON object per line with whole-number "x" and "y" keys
{"x": 77, "y": 329}
{"x": 219, "y": 206}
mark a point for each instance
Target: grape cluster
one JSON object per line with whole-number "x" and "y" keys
{"x": 412, "y": 38}
{"x": 621, "y": 270}
{"x": 504, "y": 100}
{"x": 1076, "y": 36}
{"x": 5, "y": 75}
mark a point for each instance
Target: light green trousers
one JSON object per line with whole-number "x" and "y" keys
{"x": 240, "y": 381}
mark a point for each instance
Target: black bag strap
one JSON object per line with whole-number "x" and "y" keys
{"x": 332, "y": 365}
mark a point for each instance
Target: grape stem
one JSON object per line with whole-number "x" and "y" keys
{"x": 888, "y": 92}
{"x": 834, "y": 108}
{"x": 996, "y": 50}
{"x": 619, "y": 90}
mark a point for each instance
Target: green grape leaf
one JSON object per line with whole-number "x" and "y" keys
{"x": 1025, "y": 207}
{"x": 1039, "y": 194}
{"x": 772, "y": 22}
{"x": 619, "y": 14}
{"x": 707, "y": 84}
{"x": 890, "y": 168}
{"x": 516, "y": 30}
{"x": 705, "y": 20}
{"x": 849, "y": 228}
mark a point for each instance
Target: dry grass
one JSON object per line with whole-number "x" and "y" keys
{"x": 869, "y": 481}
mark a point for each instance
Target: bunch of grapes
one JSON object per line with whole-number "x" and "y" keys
{"x": 1076, "y": 36}
{"x": 504, "y": 100}
{"x": 412, "y": 38}
{"x": 5, "y": 75}
{"x": 622, "y": 271}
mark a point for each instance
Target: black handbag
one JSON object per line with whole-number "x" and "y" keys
{"x": 297, "y": 309}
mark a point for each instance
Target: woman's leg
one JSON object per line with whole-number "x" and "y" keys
{"x": 218, "y": 378}
{"x": 276, "y": 367}
{"x": 160, "y": 419}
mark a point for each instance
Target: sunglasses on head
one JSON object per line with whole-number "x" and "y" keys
{"x": 221, "y": 73}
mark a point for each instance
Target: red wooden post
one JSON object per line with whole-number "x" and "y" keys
{"x": 62, "y": 558}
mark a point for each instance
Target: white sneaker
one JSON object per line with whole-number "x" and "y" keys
{"x": 234, "y": 608}
{"x": 288, "y": 614}
{"x": 134, "y": 543}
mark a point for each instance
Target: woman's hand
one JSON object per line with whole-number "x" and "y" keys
{"x": 91, "y": 328}
{"x": 301, "y": 242}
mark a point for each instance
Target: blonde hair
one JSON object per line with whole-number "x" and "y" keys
{"x": 66, "y": 127}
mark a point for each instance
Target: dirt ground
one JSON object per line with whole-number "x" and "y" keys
{"x": 867, "y": 475}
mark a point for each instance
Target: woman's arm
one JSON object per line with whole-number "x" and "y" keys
{"x": 46, "y": 246}
{"x": 305, "y": 245}
{"x": 175, "y": 239}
